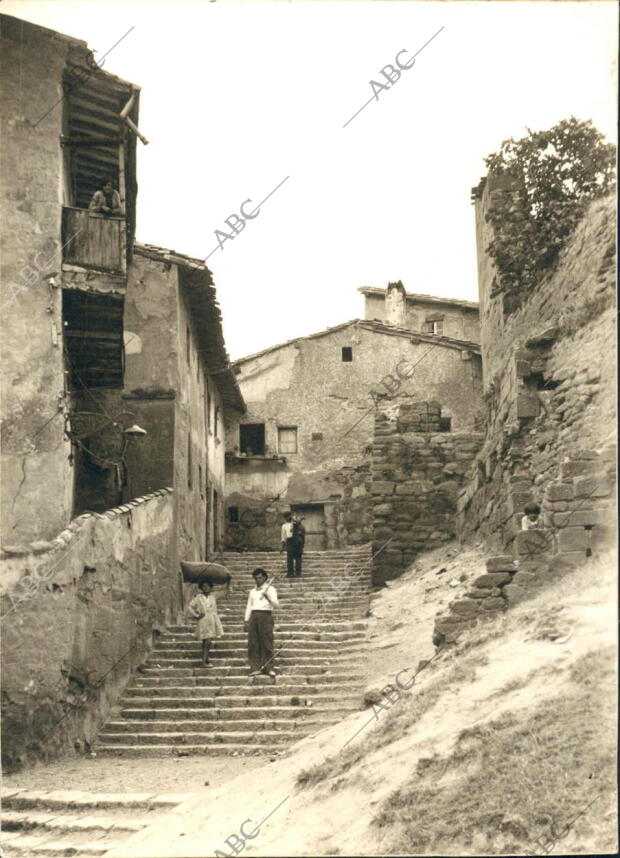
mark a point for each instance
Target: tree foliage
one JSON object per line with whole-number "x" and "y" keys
{"x": 551, "y": 176}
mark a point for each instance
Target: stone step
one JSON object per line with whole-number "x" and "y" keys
{"x": 24, "y": 799}
{"x": 349, "y": 696}
{"x": 247, "y": 725}
{"x": 240, "y": 674}
{"x": 282, "y": 625}
{"x": 300, "y": 636}
{"x": 225, "y": 646}
{"x": 78, "y": 845}
{"x": 231, "y": 690}
{"x": 25, "y": 820}
{"x": 220, "y": 737}
{"x": 241, "y": 749}
{"x": 238, "y": 713}
{"x": 221, "y": 661}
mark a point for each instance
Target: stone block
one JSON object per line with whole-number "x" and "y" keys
{"x": 559, "y": 492}
{"x": 382, "y": 509}
{"x": 516, "y": 592}
{"x": 581, "y": 517}
{"x": 532, "y": 543}
{"x": 528, "y": 405}
{"x": 592, "y": 487}
{"x": 407, "y": 489}
{"x": 466, "y": 607}
{"x": 573, "y": 539}
{"x": 381, "y": 487}
{"x": 575, "y": 469}
{"x": 492, "y": 579}
{"x": 496, "y": 604}
{"x": 501, "y": 563}
{"x": 483, "y": 592}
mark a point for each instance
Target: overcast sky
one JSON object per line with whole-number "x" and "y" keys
{"x": 238, "y": 96}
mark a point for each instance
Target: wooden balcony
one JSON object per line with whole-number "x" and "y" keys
{"x": 94, "y": 240}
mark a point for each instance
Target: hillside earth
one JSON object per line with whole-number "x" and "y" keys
{"x": 503, "y": 744}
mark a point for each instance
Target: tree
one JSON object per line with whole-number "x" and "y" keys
{"x": 552, "y": 177}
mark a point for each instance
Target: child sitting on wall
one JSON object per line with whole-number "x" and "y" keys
{"x": 531, "y": 519}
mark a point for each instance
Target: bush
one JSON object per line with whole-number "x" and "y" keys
{"x": 551, "y": 176}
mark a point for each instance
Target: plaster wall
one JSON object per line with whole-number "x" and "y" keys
{"x": 33, "y": 440}
{"x": 458, "y": 323}
{"x": 78, "y": 615}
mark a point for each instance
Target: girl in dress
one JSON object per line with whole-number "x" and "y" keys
{"x": 203, "y": 608}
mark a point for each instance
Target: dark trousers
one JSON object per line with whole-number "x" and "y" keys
{"x": 260, "y": 640}
{"x": 294, "y": 551}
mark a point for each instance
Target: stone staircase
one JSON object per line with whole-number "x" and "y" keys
{"x": 75, "y": 823}
{"x": 175, "y": 706}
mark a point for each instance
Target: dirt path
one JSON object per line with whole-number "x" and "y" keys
{"x": 105, "y": 774}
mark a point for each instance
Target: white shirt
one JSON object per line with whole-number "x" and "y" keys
{"x": 257, "y": 601}
{"x": 287, "y": 531}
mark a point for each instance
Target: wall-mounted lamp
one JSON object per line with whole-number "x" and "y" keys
{"x": 135, "y": 430}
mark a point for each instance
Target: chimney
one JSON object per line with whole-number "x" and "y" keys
{"x": 395, "y": 305}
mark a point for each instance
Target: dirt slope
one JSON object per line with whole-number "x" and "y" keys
{"x": 505, "y": 744}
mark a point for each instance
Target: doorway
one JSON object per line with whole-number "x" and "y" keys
{"x": 313, "y": 517}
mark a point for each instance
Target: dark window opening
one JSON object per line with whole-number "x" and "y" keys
{"x": 445, "y": 424}
{"x": 216, "y": 421}
{"x": 233, "y": 514}
{"x": 433, "y": 326}
{"x": 317, "y": 436}
{"x": 93, "y": 339}
{"x": 187, "y": 343}
{"x": 538, "y": 381}
{"x": 347, "y": 354}
{"x": 252, "y": 439}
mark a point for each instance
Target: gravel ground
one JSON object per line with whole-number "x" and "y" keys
{"x": 156, "y": 775}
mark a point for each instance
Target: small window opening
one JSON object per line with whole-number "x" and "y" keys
{"x": 445, "y": 424}
{"x": 317, "y": 436}
{"x": 233, "y": 514}
{"x": 252, "y": 439}
{"x": 434, "y": 326}
{"x": 216, "y": 422}
{"x": 347, "y": 354}
{"x": 287, "y": 439}
{"x": 189, "y": 461}
{"x": 187, "y": 343}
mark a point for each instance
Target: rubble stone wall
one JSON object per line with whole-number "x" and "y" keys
{"x": 416, "y": 474}
{"x": 549, "y": 379}
{"x": 78, "y": 615}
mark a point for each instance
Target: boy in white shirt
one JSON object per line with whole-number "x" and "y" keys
{"x": 258, "y": 623}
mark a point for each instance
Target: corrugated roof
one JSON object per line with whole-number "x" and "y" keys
{"x": 428, "y": 299}
{"x": 197, "y": 281}
{"x": 376, "y": 327}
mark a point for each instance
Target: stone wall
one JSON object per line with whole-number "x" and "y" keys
{"x": 78, "y": 615}
{"x": 416, "y": 474}
{"x": 549, "y": 378}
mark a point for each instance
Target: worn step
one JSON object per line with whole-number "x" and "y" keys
{"x": 220, "y": 737}
{"x": 183, "y": 702}
{"x": 233, "y": 713}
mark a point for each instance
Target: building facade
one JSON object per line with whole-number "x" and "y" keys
{"x": 115, "y": 387}
{"x": 305, "y": 441}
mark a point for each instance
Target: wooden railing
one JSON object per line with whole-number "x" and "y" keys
{"x": 93, "y": 240}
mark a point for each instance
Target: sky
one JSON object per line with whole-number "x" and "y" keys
{"x": 241, "y": 99}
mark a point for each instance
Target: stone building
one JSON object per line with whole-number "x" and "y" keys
{"x": 306, "y": 438}
{"x": 115, "y": 387}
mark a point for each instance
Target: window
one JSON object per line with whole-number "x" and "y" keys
{"x": 433, "y": 326}
{"x": 287, "y": 439}
{"x": 93, "y": 339}
{"x": 445, "y": 424}
{"x": 216, "y": 422}
{"x": 317, "y": 436}
{"x": 187, "y": 343}
{"x": 233, "y": 514}
{"x": 252, "y": 439}
{"x": 347, "y": 354}
{"x": 208, "y": 420}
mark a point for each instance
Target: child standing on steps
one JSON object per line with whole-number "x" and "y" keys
{"x": 203, "y": 608}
